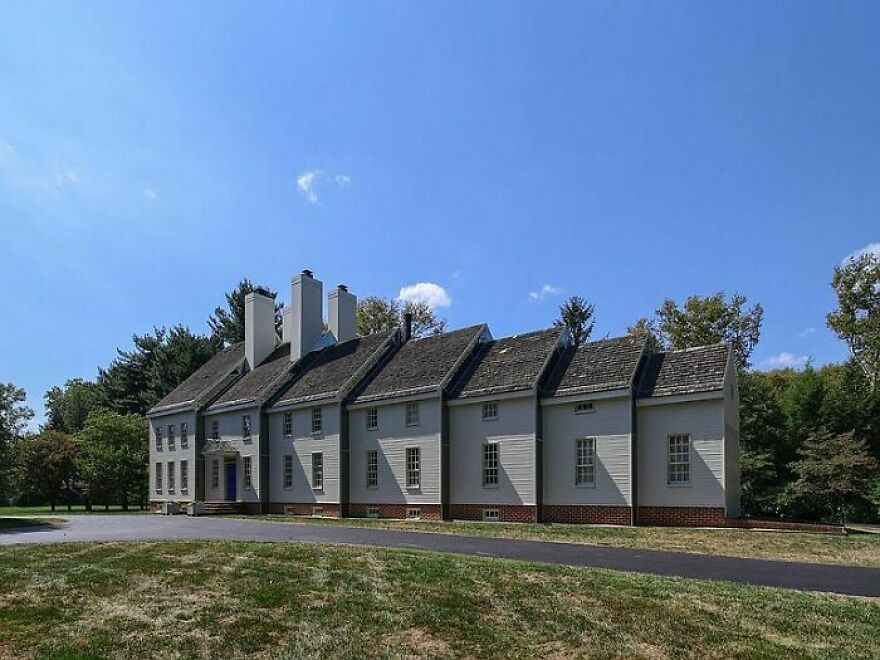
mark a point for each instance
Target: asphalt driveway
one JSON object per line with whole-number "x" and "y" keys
{"x": 851, "y": 580}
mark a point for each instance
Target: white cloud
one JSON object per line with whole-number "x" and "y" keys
{"x": 29, "y": 175}
{"x": 343, "y": 180}
{"x": 544, "y": 291}
{"x": 427, "y": 292}
{"x": 307, "y": 183}
{"x": 870, "y": 248}
{"x": 149, "y": 193}
{"x": 807, "y": 332}
{"x": 785, "y": 360}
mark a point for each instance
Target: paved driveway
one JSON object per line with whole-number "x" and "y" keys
{"x": 807, "y": 577}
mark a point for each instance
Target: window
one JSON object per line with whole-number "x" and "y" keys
{"x": 372, "y": 468}
{"x": 158, "y": 477}
{"x": 372, "y": 419}
{"x": 288, "y": 471}
{"x": 413, "y": 467}
{"x": 490, "y": 465}
{"x": 248, "y": 475}
{"x": 170, "y": 437}
{"x": 184, "y": 477}
{"x": 585, "y": 465}
{"x": 584, "y": 408}
{"x": 246, "y": 426}
{"x": 184, "y": 435}
{"x": 491, "y": 515}
{"x": 413, "y": 514}
{"x": 372, "y": 512}
{"x": 318, "y": 470}
{"x": 318, "y": 511}
{"x": 288, "y": 424}
{"x": 316, "y": 420}
{"x": 215, "y": 474}
{"x": 490, "y": 411}
{"x": 412, "y": 414}
{"x": 158, "y": 438}
{"x": 170, "y": 476}
{"x": 679, "y": 465}
{"x": 215, "y": 429}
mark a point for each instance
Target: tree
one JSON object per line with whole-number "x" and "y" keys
{"x": 227, "y": 325}
{"x": 14, "y": 416}
{"x": 67, "y": 408}
{"x": 802, "y": 404}
{"x": 45, "y": 464}
{"x": 834, "y": 473}
{"x": 113, "y": 460}
{"x": 576, "y": 315}
{"x": 710, "y": 320}
{"x": 643, "y": 329}
{"x": 376, "y": 314}
{"x": 857, "y": 317}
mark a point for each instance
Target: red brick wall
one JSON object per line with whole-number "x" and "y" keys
{"x": 506, "y": 512}
{"x": 588, "y": 515}
{"x": 304, "y": 508}
{"x": 682, "y": 516}
{"x": 428, "y": 511}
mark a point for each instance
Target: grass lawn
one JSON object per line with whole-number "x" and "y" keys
{"x": 854, "y": 549}
{"x": 224, "y": 598}
{"x": 59, "y": 510}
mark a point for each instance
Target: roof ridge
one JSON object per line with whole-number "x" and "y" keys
{"x": 717, "y": 344}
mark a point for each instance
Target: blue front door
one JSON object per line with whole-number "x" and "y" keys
{"x": 231, "y": 480}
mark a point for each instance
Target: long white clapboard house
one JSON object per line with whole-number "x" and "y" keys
{"x": 458, "y": 425}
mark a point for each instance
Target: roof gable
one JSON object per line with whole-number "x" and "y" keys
{"x": 685, "y": 371}
{"x": 596, "y": 366}
{"x": 204, "y": 380}
{"x": 257, "y": 383}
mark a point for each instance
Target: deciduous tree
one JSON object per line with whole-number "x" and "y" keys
{"x": 375, "y": 314}
{"x": 45, "y": 465}
{"x": 14, "y": 416}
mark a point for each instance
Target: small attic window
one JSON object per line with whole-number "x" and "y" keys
{"x": 584, "y": 408}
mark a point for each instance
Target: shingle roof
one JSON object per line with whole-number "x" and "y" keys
{"x": 257, "y": 382}
{"x": 421, "y": 365}
{"x": 596, "y": 366}
{"x": 330, "y": 368}
{"x": 685, "y": 371}
{"x": 205, "y": 378}
{"x": 509, "y": 364}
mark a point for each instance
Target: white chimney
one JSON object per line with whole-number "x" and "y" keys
{"x": 259, "y": 328}
{"x": 306, "y": 294}
{"x": 342, "y": 313}
{"x": 287, "y": 324}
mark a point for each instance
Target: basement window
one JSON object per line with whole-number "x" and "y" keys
{"x": 584, "y": 408}
{"x": 372, "y": 512}
{"x": 491, "y": 515}
{"x": 413, "y": 514}
{"x": 318, "y": 511}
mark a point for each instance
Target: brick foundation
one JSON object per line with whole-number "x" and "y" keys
{"x": 506, "y": 512}
{"x": 304, "y": 508}
{"x": 587, "y": 514}
{"x": 426, "y": 511}
{"x": 682, "y": 516}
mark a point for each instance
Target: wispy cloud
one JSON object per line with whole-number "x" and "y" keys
{"x": 31, "y": 175}
{"x": 870, "y": 248}
{"x": 307, "y": 183}
{"x": 807, "y": 332}
{"x": 427, "y": 292}
{"x": 544, "y": 291}
{"x": 785, "y": 360}
{"x": 343, "y": 180}
{"x": 149, "y": 193}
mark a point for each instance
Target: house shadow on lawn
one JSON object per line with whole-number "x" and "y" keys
{"x": 19, "y": 525}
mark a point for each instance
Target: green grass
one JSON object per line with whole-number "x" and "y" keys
{"x": 75, "y": 510}
{"x": 853, "y": 549}
{"x": 282, "y": 600}
{"x": 18, "y": 523}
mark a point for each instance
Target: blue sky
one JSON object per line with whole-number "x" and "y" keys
{"x": 512, "y": 154}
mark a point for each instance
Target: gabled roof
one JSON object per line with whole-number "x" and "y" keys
{"x": 330, "y": 369}
{"x": 204, "y": 381}
{"x": 258, "y": 383}
{"x": 509, "y": 364}
{"x": 686, "y": 371}
{"x": 420, "y": 366}
{"x": 596, "y": 366}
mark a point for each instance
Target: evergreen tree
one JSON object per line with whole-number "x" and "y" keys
{"x": 227, "y": 325}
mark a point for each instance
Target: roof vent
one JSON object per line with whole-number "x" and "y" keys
{"x": 307, "y": 272}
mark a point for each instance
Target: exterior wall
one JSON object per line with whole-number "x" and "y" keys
{"x": 610, "y": 424}
{"x": 230, "y": 430}
{"x": 514, "y": 431}
{"x": 391, "y": 439}
{"x": 506, "y": 512}
{"x": 300, "y": 446}
{"x": 704, "y": 421}
{"x": 426, "y": 511}
{"x": 731, "y": 444}
{"x": 176, "y": 455}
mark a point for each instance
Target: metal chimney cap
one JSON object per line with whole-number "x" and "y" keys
{"x": 342, "y": 287}
{"x": 307, "y": 272}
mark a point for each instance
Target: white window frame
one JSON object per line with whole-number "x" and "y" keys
{"x": 171, "y": 479}
{"x": 287, "y": 424}
{"x": 413, "y": 468}
{"x": 246, "y": 430}
{"x": 215, "y": 429}
{"x": 247, "y": 470}
{"x": 158, "y": 480}
{"x": 678, "y": 461}
{"x": 585, "y": 462}
{"x": 317, "y": 420}
{"x": 372, "y": 468}
{"x": 491, "y": 515}
{"x": 288, "y": 471}
{"x": 491, "y": 462}
{"x": 372, "y": 419}
{"x": 490, "y": 411}
{"x": 215, "y": 474}
{"x": 584, "y": 408}
{"x": 412, "y": 414}
{"x": 318, "y": 470}
{"x": 372, "y": 512}
{"x": 184, "y": 435}
{"x": 159, "y": 442}
{"x": 171, "y": 437}
{"x": 184, "y": 477}
{"x": 413, "y": 513}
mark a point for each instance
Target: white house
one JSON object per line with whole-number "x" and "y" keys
{"x": 456, "y": 425}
